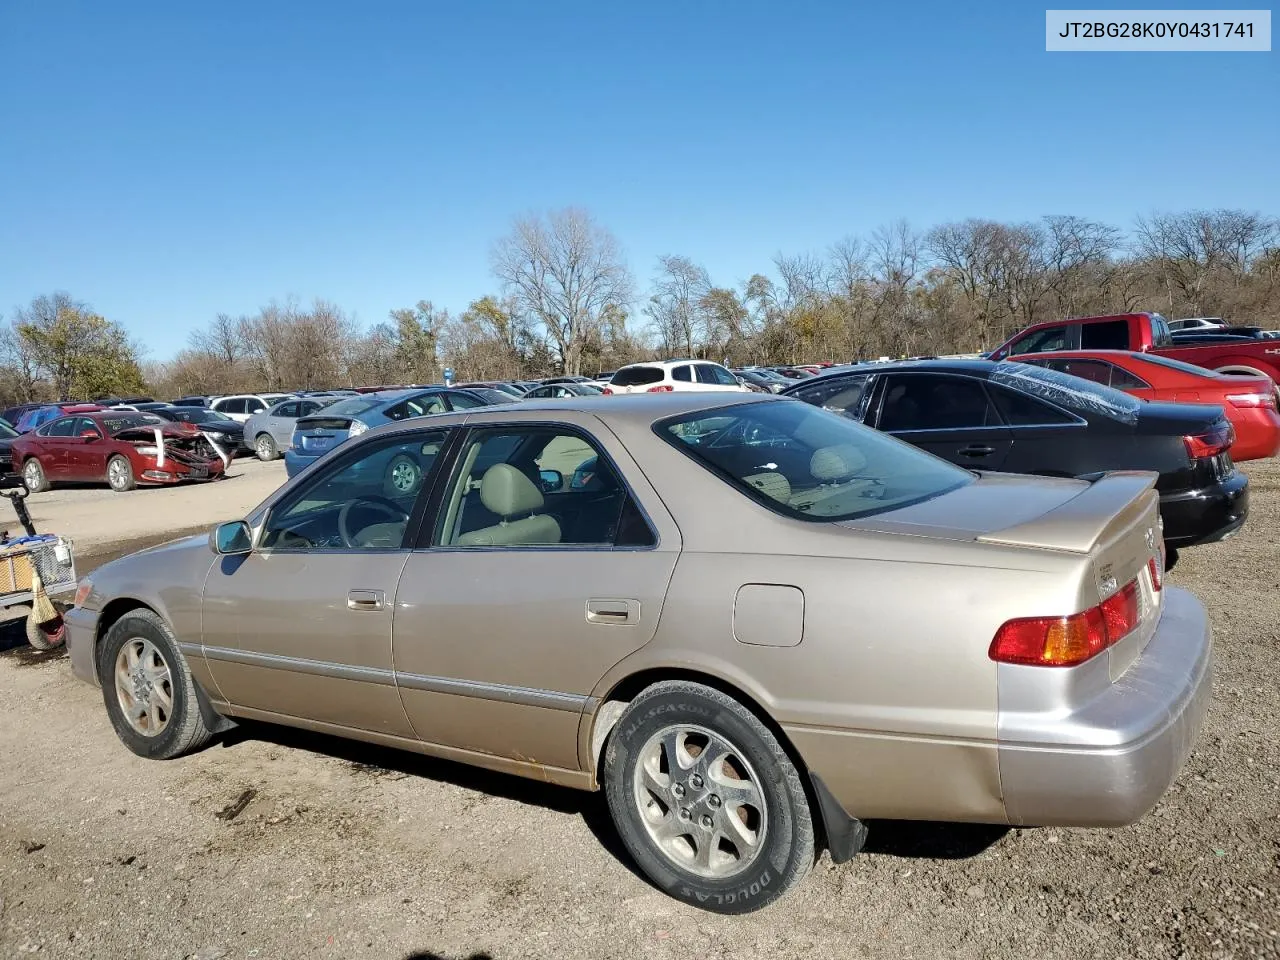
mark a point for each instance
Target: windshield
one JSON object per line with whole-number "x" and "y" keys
{"x": 1074, "y": 393}
{"x": 491, "y": 396}
{"x": 125, "y": 421}
{"x": 196, "y": 415}
{"x": 353, "y": 407}
{"x": 805, "y": 462}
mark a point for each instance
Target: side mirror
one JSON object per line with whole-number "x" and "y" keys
{"x": 231, "y": 538}
{"x": 90, "y": 435}
{"x": 552, "y": 480}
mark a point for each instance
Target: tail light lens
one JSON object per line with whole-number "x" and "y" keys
{"x": 1252, "y": 400}
{"x": 606, "y": 391}
{"x": 1067, "y": 641}
{"x": 1211, "y": 443}
{"x": 661, "y": 388}
{"x": 1155, "y": 566}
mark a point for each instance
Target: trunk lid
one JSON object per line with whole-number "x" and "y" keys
{"x": 320, "y": 434}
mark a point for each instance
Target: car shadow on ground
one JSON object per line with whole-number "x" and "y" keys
{"x": 428, "y": 955}
{"x": 894, "y": 838}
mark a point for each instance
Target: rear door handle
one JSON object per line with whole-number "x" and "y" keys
{"x": 613, "y": 611}
{"x": 364, "y": 600}
{"x": 976, "y": 450}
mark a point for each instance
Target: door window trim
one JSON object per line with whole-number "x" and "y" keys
{"x": 883, "y": 378}
{"x": 426, "y": 532}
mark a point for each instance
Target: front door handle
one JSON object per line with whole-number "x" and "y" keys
{"x": 613, "y": 611}
{"x": 364, "y": 600}
{"x": 976, "y": 450}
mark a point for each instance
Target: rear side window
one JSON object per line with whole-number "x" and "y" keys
{"x": 234, "y": 405}
{"x": 1108, "y": 335}
{"x": 840, "y": 395}
{"x": 637, "y": 376}
{"x": 1122, "y": 379}
{"x": 60, "y": 428}
{"x": 682, "y": 374}
{"x": 1020, "y": 410}
{"x": 935, "y": 402}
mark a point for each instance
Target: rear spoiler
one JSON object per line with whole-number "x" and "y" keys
{"x": 1079, "y": 524}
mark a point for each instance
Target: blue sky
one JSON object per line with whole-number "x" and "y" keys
{"x": 169, "y": 161}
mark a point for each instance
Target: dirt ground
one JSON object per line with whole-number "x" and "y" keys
{"x": 99, "y": 519}
{"x": 344, "y": 850}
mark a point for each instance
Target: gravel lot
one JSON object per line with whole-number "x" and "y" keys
{"x": 344, "y": 850}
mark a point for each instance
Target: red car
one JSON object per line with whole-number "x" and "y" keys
{"x": 1249, "y": 401}
{"x": 122, "y": 448}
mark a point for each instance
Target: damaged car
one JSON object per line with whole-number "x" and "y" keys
{"x": 122, "y": 449}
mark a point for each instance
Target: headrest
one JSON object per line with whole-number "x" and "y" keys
{"x": 836, "y": 463}
{"x": 508, "y": 492}
{"x": 771, "y": 484}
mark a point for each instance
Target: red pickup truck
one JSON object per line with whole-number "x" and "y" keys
{"x": 1145, "y": 333}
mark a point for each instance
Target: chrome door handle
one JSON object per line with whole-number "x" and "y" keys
{"x": 613, "y": 611}
{"x": 364, "y": 600}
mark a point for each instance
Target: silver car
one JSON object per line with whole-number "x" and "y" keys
{"x": 269, "y": 432}
{"x": 754, "y": 624}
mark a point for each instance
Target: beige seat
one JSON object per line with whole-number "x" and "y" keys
{"x": 833, "y": 464}
{"x": 771, "y": 484}
{"x": 506, "y": 491}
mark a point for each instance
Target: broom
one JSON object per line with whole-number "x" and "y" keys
{"x": 42, "y": 608}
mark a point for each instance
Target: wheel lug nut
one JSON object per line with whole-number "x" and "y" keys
{"x": 685, "y": 814}
{"x": 713, "y": 801}
{"x": 677, "y": 789}
{"x": 696, "y": 782}
{"x": 707, "y": 821}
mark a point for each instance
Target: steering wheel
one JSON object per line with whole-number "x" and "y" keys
{"x": 388, "y": 507}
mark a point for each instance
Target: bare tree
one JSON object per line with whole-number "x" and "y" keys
{"x": 564, "y": 270}
{"x": 675, "y": 306}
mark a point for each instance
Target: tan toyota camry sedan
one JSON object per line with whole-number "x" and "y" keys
{"x": 753, "y": 623}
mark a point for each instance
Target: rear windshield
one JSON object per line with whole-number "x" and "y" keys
{"x": 1073, "y": 393}
{"x": 805, "y": 462}
{"x": 636, "y": 376}
{"x": 1172, "y": 364}
{"x": 352, "y": 407}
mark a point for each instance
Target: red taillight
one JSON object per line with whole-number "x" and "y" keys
{"x": 1154, "y": 566}
{"x": 1210, "y": 444}
{"x": 1252, "y": 400}
{"x": 606, "y": 391}
{"x": 661, "y": 388}
{"x": 1067, "y": 641}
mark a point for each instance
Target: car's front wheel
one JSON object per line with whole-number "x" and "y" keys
{"x": 148, "y": 690}
{"x": 120, "y": 474}
{"x": 265, "y": 447}
{"x": 706, "y": 799}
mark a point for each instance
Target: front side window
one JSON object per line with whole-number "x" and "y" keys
{"x": 1042, "y": 341}
{"x": 716, "y": 374}
{"x": 809, "y": 463}
{"x": 286, "y": 410}
{"x": 363, "y": 502}
{"x": 841, "y": 395}
{"x": 925, "y": 401}
{"x": 537, "y": 487}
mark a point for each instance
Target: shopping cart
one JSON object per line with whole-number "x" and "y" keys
{"x": 34, "y": 569}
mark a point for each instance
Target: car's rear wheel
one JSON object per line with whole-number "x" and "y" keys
{"x": 402, "y": 477}
{"x": 706, "y": 799}
{"x": 120, "y": 474}
{"x": 33, "y": 476}
{"x": 265, "y": 447}
{"x": 148, "y": 690}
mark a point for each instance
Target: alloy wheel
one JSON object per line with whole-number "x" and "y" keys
{"x": 700, "y": 801}
{"x": 116, "y": 473}
{"x": 404, "y": 476}
{"x": 144, "y": 686}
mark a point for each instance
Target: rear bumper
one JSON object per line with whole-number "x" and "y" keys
{"x": 295, "y": 463}
{"x": 1113, "y": 758}
{"x": 1257, "y": 434}
{"x": 82, "y": 629}
{"x": 1205, "y": 515}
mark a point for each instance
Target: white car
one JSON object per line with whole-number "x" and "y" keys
{"x": 668, "y": 376}
{"x": 1197, "y": 323}
{"x": 242, "y": 406}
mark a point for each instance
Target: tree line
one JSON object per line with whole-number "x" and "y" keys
{"x": 566, "y": 301}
